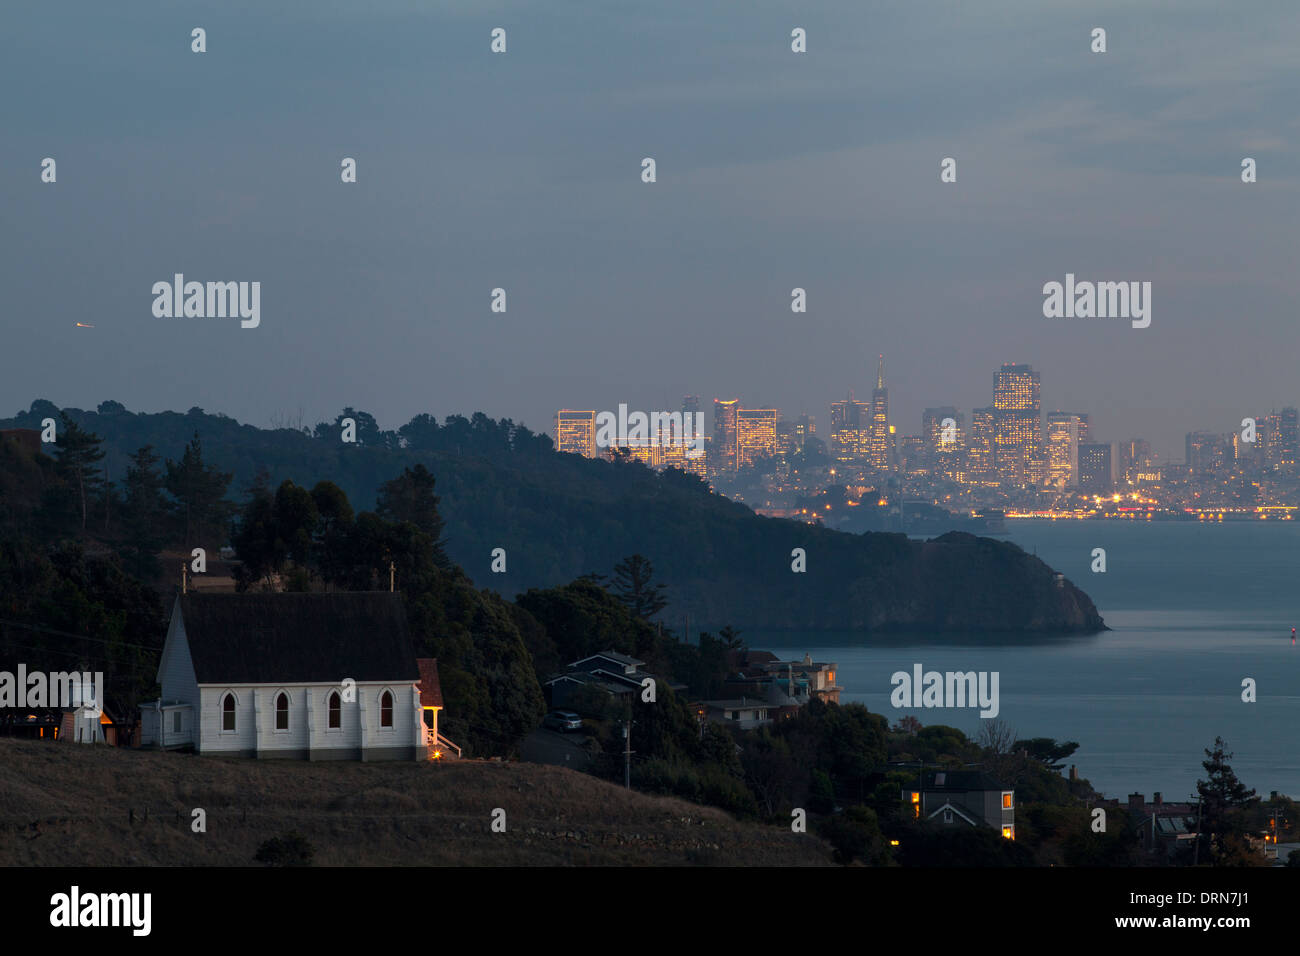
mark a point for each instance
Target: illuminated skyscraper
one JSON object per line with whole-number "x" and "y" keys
{"x": 755, "y": 435}
{"x": 1016, "y": 426}
{"x": 850, "y": 430}
{"x": 944, "y": 445}
{"x": 980, "y": 463}
{"x": 724, "y": 434}
{"x": 1288, "y": 438}
{"x": 881, "y": 439}
{"x": 575, "y": 432}
{"x": 1063, "y": 450}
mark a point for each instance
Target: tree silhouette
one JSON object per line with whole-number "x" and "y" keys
{"x": 79, "y": 452}
{"x": 201, "y": 491}
{"x": 1223, "y": 798}
{"x": 633, "y": 586}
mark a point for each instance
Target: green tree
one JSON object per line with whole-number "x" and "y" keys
{"x": 635, "y": 587}
{"x": 1047, "y": 751}
{"x": 856, "y": 835}
{"x": 1224, "y": 799}
{"x": 200, "y": 490}
{"x": 410, "y": 498}
{"x": 78, "y": 457}
{"x": 145, "y": 512}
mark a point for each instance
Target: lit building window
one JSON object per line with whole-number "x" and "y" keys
{"x": 1006, "y": 801}
{"x": 1009, "y": 833}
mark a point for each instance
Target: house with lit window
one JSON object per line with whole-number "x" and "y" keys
{"x": 964, "y": 798}
{"x": 308, "y": 676}
{"x": 787, "y": 686}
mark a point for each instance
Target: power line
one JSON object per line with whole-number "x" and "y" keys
{"x": 80, "y": 637}
{"x": 51, "y": 650}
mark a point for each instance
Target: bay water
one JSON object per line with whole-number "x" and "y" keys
{"x": 1194, "y": 608}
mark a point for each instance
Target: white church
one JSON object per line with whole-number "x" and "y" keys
{"x": 311, "y": 676}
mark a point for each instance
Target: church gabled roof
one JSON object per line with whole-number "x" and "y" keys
{"x": 298, "y": 638}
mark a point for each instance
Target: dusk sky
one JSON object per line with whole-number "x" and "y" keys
{"x": 522, "y": 170}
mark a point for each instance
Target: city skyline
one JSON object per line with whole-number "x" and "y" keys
{"x": 521, "y": 172}
{"x": 1016, "y": 391}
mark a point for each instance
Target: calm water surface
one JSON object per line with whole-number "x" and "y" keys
{"x": 1193, "y": 608}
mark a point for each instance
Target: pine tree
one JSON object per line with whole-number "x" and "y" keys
{"x": 410, "y": 498}
{"x": 200, "y": 490}
{"x": 145, "y": 511}
{"x": 633, "y": 585}
{"x": 1223, "y": 797}
{"x": 78, "y": 457}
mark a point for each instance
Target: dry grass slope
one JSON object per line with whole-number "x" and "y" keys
{"x": 69, "y": 805}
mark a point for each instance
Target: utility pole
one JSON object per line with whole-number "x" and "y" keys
{"x": 392, "y": 571}
{"x": 1196, "y": 850}
{"x": 627, "y": 756}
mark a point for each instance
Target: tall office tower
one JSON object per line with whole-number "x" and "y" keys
{"x": 1097, "y": 467}
{"x": 1016, "y": 427}
{"x": 1085, "y": 429}
{"x": 805, "y": 427}
{"x": 756, "y": 435}
{"x": 724, "y": 434}
{"x": 1270, "y": 441}
{"x": 575, "y": 432}
{"x": 691, "y": 403}
{"x": 1063, "y": 450}
{"x": 1036, "y": 462}
{"x": 850, "y": 432}
{"x": 881, "y": 439}
{"x": 933, "y": 431}
{"x": 980, "y": 463}
{"x": 1288, "y": 438}
{"x": 1207, "y": 452}
{"x": 944, "y": 445}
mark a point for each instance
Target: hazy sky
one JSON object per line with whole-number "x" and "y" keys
{"x": 775, "y": 170}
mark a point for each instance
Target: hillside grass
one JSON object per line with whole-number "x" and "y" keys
{"x": 64, "y": 804}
